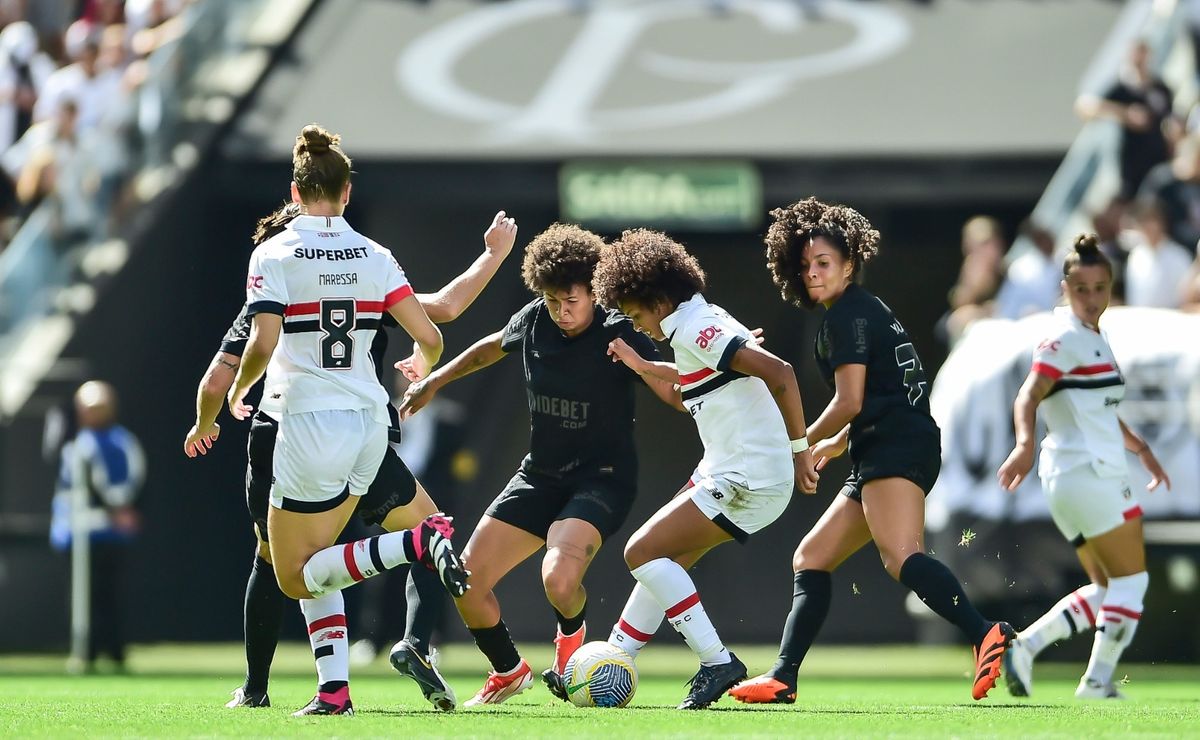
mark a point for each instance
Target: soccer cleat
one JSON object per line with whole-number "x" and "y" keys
{"x": 989, "y": 655}
{"x": 499, "y": 689}
{"x": 712, "y": 681}
{"x": 408, "y": 661}
{"x": 319, "y": 706}
{"x": 565, "y": 646}
{"x": 431, "y": 543}
{"x": 1018, "y": 669}
{"x": 555, "y": 684}
{"x": 242, "y": 698}
{"x": 765, "y": 689}
{"x": 1089, "y": 689}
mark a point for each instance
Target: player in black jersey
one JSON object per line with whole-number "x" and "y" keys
{"x": 880, "y": 412}
{"x": 395, "y": 500}
{"x": 576, "y": 486}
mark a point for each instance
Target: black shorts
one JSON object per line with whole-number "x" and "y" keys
{"x": 533, "y": 502}
{"x": 916, "y": 457}
{"x": 394, "y": 485}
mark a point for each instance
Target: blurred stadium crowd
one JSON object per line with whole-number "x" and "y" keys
{"x": 74, "y": 106}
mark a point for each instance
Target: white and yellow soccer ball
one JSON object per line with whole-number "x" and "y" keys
{"x": 600, "y": 675}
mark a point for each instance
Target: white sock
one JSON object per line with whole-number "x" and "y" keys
{"x": 1116, "y": 625}
{"x": 1073, "y": 614}
{"x": 326, "y": 619}
{"x": 672, "y": 587}
{"x": 639, "y": 621}
{"x": 337, "y": 567}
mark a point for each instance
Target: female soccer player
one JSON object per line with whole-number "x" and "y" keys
{"x": 577, "y": 484}
{"x": 747, "y": 407}
{"x": 316, "y": 294}
{"x": 395, "y": 500}
{"x": 1076, "y": 381}
{"x": 880, "y": 411}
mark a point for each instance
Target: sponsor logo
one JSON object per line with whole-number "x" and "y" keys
{"x": 576, "y": 687}
{"x": 254, "y": 281}
{"x": 707, "y": 336}
{"x": 331, "y": 635}
{"x": 304, "y": 253}
{"x": 1049, "y": 345}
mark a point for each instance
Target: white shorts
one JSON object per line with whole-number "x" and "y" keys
{"x": 736, "y": 509}
{"x": 1084, "y": 505}
{"x": 321, "y": 457}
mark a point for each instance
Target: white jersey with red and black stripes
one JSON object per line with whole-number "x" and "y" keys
{"x": 331, "y": 285}
{"x": 741, "y": 427}
{"x": 1081, "y": 409}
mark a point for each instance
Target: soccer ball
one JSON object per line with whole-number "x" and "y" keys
{"x": 600, "y": 675}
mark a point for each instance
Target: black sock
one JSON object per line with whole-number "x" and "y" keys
{"x": 497, "y": 645}
{"x": 942, "y": 593}
{"x": 425, "y": 597}
{"x": 810, "y": 605}
{"x": 263, "y": 612}
{"x": 331, "y": 686}
{"x": 570, "y": 625}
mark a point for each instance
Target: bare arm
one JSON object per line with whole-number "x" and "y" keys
{"x": 426, "y": 337}
{"x": 780, "y": 379}
{"x": 849, "y": 382}
{"x": 1141, "y": 448}
{"x": 455, "y": 296}
{"x": 486, "y": 351}
{"x": 264, "y": 336}
{"x": 668, "y": 393}
{"x": 1020, "y": 461}
{"x": 209, "y": 397}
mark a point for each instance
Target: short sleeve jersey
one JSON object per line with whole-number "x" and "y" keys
{"x": 331, "y": 285}
{"x": 860, "y": 329}
{"x": 739, "y": 422}
{"x": 581, "y": 403}
{"x": 1143, "y": 149}
{"x": 1081, "y": 409}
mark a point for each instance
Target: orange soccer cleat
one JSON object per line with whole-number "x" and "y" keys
{"x": 764, "y": 690}
{"x": 565, "y": 646}
{"x": 499, "y": 688}
{"x": 989, "y": 655}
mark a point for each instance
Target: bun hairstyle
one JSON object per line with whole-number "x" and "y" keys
{"x": 319, "y": 166}
{"x": 1085, "y": 252}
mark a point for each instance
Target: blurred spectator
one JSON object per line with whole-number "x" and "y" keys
{"x": 1141, "y": 104}
{"x": 979, "y": 278}
{"x": 142, "y": 14}
{"x": 1033, "y": 281}
{"x": 106, "y": 460}
{"x": 1176, "y": 186}
{"x": 81, "y": 81}
{"x": 23, "y": 74}
{"x": 1107, "y": 224}
{"x": 1157, "y": 267}
{"x": 60, "y": 170}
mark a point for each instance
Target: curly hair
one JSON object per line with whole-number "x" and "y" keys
{"x": 269, "y": 226}
{"x": 647, "y": 267}
{"x": 795, "y": 226}
{"x": 561, "y": 256}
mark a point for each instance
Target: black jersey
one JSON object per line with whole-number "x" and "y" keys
{"x": 860, "y": 329}
{"x": 581, "y": 403}
{"x": 238, "y": 334}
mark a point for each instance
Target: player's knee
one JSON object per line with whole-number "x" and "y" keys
{"x": 561, "y": 587}
{"x": 808, "y": 556}
{"x": 291, "y": 583}
{"x": 637, "y": 553}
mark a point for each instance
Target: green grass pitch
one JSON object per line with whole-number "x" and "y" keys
{"x": 177, "y": 690}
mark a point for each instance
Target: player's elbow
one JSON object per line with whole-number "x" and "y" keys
{"x": 850, "y": 405}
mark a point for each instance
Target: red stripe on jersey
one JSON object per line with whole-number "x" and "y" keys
{"x": 397, "y": 295}
{"x": 333, "y": 620}
{"x": 296, "y": 309}
{"x": 1087, "y": 610}
{"x": 699, "y": 375}
{"x": 351, "y": 566}
{"x": 1049, "y": 371}
{"x": 369, "y": 306}
{"x": 1093, "y": 369}
{"x": 1121, "y": 610}
{"x": 683, "y": 606}
{"x": 1133, "y": 513}
{"x": 633, "y": 632}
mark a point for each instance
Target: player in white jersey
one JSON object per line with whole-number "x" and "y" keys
{"x": 1076, "y": 381}
{"x": 746, "y": 403}
{"x": 316, "y": 293}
